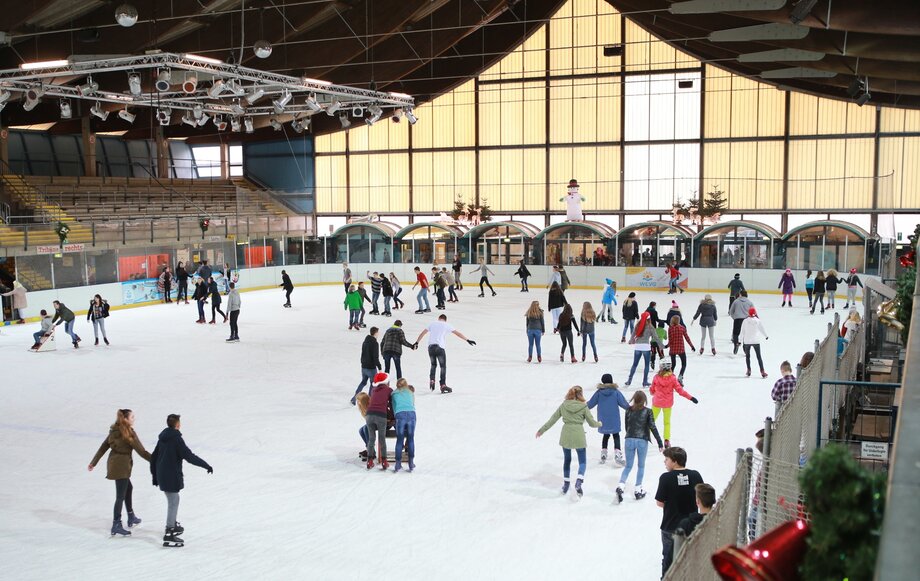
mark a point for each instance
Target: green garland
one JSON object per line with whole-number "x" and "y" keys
{"x": 907, "y": 282}
{"x": 62, "y": 231}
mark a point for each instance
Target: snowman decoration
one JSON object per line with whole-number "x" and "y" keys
{"x": 573, "y": 202}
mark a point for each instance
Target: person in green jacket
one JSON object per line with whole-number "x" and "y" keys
{"x": 64, "y": 315}
{"x": 574, "y": 413}
{"x": 353, "y": 302}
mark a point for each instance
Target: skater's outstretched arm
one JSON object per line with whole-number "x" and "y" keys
{"x": 421, "y": 336}
{"x": 191, "y": 458}
{"x": 459, "y": 334}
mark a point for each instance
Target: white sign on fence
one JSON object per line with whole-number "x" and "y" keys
{"x": 57, "y": 248}
{"x": 874, "y": 450}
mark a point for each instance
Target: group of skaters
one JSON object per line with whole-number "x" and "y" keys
{"x": 206, "y": 289}
{"x": 681, "y": 492}
{"x": 165, "y": 468}
{"x": 97, "y": 313}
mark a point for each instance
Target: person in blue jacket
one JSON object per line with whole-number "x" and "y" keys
{"x": 609, "y": 299}
{"x": 608, "y": 399}
{"x": 166, "y": 468}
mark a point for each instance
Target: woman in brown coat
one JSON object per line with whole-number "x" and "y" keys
{"x": 121, "y": 441}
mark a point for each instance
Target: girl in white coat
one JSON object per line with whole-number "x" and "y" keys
{"x": 751, "y": 331}
{"x": 19, "y": 301}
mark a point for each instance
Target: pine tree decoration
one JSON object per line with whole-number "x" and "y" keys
{"x": 459, "y": 212}
{"x": 846, "y": 503}
{"x": 62, "y": 230}
{"x": 467, "y": 213}
{"x": 714, "y": 204}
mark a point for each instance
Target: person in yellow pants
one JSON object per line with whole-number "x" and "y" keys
{"x": 663, "y": 387}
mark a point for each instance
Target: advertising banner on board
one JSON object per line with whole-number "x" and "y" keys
{"x": 650, "y": 277}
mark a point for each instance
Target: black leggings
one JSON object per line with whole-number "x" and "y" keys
{"x": 566, "y": 335}
{"x": 683, "y": 362}
{"x": 216, "y": 307}
{"x": 616, "y": 441}
{"x": 287, "y": 296}
{"x": 182, "y": 293}
{"x": 123, "y": 490}
{"x": 747, "y": 355}
{"x": 486, "y": 281}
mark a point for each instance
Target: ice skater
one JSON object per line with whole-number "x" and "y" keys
{"x": 346, "y": 276}
{"x": 662, "y": 389}
{"x": 182, "y": 280}
{"x": 739, "y": 312}
{"x": 64, "y": 315}
{"x": 288, "y": 287}
{"x": 437, "y": 344}
{"x": 391, "y": 346}
{"x": 166, "y": 467}
{"x": 422, "y": 282}
{"x": 809, "y": 287}
{"x": 122, "y": 440}
{"x": 852, "y": 282}
{"x": 387, "y": 290}
{"x": 588, "y": 318}
{"x": 565, "y": 325}
{"x": 484, "y": 279}
{"x": 200, "y": 296}
{"x": 608, "y": 300}
{"x": 233, "y": 307}
{"x": 673, "y": 278}
{"x": 640, "y": 423}
{"x": 630, "y": 315}
{"x": 735, "y": 288}
{"x": 677, "y": 334}
{"x": 204, "y": 271}
{"x": 676, "y": 495}
{"x": 831, "y": 281}
{"x": 376, "y": 286}
{"x": 352, "y": 304}
{"x": 457, "y": 266}
{"x": 609, "y": 399}
{"x": 19, "y": 302}
{"x": 524, "y": 274}
{"x": 787, "y": 285}
{"x": 45, "y": 331}
{"x": 574, "y": 413}
{"x": 536, "y": 328}
{"x": 708, "y": 315}
{"x": 403, "y": 401}
{"x": 555, "y": 277}
{"x": 451, "y": 285}
{"x": 644, "y": 339}
{"x": 97, "y": 312}
{"x": 820, "y": 288}
{"x": 555, "y": 303}
{"x": 674, "y": 311}
{"x": 751, "y": 331}
{"x": 166, "y": 284}
{"x": 397, "y": 290}
{"x": 370, "y": 361}
{"x": 438, "y": 282}
{"x": 215, "y": 301}
{"x": 379, "y": 409}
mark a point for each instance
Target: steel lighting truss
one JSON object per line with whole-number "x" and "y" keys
{"x": 198, "y": 96}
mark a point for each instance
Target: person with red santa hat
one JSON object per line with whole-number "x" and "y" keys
{"x": 379, "y": 409}
{"x": 751, "y": 331}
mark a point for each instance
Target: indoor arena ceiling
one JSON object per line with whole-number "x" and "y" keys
{"x": 838, "y": 48}
{"x": 418, "y": 47}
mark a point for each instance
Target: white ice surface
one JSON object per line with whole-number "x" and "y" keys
{"x": 289, "y": 499}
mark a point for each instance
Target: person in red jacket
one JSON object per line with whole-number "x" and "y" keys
{"x": 663, "y": 387}
{"x": 422, "y": 281}
{"x": 379, "y": 409}
{"x": 677, "y": 333}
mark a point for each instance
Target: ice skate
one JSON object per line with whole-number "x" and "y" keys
{"x": 701, "y": 350}
{"x": 420, "y": 311}
{"x": 640, "y": 493}
{"x": 539, "y": 359}
{"x": 582, "y": 358}
{"x": 602, "y": 319}
{"x": 713, "y": 351}
{"x": 370, "y": 463}
{"x": 763, "y": 373}
{"x": 614, "y": 321}
{"x": 575, "y": 360}
{"x": 561, "y": 357}
{"x": 596, "y": 359}
{"x": 494, "y": 293}
{"x": 431, "y": 384}
{"x": 133, "y": 520}
{"x": 783, "y": 305}
{"x": 578, "y": 489}
{"x": 748, "y": 374}
{"x": 97, "y": 341}
{"x": 171, "y": 538}
{"x": 622, "y": 339}
{"x": 445, "y": 389}
{"x": 619, "y": 458}
{"x": 603, "y": 456}
{"x": 105, "y": 340}
{"x": 117, "y": 529}
{"x": 384, "y": 465}
{"x": 565, "y": 486}
{"x": 480, "y": 295}
{"x": 619, "y": 491}
{"x": 529, "y": 359}
{"x": 75, "y": 346}
{"x": 735, "y": 351}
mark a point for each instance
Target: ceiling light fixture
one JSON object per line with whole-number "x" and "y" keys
{"x": 164, "y": 116}
{"x": 255, "y": 94}
{"x": 203, "y": 59}
{"x": 127, "y": 115}
{"x": 281, "y": 102}
{"x": 312, "y": 104}
{"x": 99, "y": 112}
{"x": 859, "y": 91}
{"x": 397, "y": 116}
{"x": 410, "y": 115}
{"x": 343, "y": 119}
{"x": 237, "y": 108}
{"x": 163, "y": 80}
{"x": 275, "y": 124}
{"x": 236, "y": 88}
{"x": 357, "y": 112}
{"x": 297, "y": 125}
{"x": 376, "y": 112}
{"x": 66, "y": 111}
{"x": 4, "y": 96}
{"x": 33, "y": 97}
{"x": 220, "y": 123}
{"x": 134, "y": 84}
{"x": 801, "y": 10}
{"x": 333, "y": 107}
{"x": 44, "y": 65}
{"x": 203, "y": 120}
{"x": 187, "y": 119}
{"x": 89, "y": 88}
{"x": 247, "y": 124}
{"x": 197, "y": 111}
{"x": 217, "y": 87}
{"x": 235, "y": 124}
{"x": 190, "y": 84}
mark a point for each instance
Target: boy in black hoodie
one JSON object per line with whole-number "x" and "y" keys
{"x": 370, "y": 361}
{"x": 166, "y": 468}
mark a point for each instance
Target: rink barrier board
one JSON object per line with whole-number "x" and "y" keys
{"x": 758, "y": 282}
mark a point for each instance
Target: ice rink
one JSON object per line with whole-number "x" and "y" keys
{"x": 289, "y": 498}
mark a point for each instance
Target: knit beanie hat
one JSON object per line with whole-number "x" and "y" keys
{"x": 752, "y": 312}
{"x": 381, "y": 378}
{"x": 852, "y": 271}
{"x": 606, "y": 378}
{"x": 631, "y": 295}
{"x": 737, "y": 275}
{"x": 674, "y": 305}
{"x": 788, "y": 271}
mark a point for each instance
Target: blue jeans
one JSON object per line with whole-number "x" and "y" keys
{"x": 637, "y": 355}
{"x": 567, "y": 462}
{"x": 353, "y": 316}
{"x": 533, "y": 338}
{"x": 375, "y": 296}
{"x": 423, "y": 296}
{"x": 68, "y": 328}
{"x": 363, "y": 433}
{"x": 37, "y": 336}
{"x": 200, "y": 310}
{"x": 367, "y": 375}
{"x": 584, "y": 344}
{"x": 386, "y": 304}
{"x": 635, "y": 447}
{"x": 387, "y": 357}
{"x": 405, "y": 428}
{"x": 438, "y": 356}
{"x": 629, "y": 326}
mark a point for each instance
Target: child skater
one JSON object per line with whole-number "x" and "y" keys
{"x": 677, "y": 333}
{"x": 555, "y": 303}
{"x": 645, "y": 341}
{"x": 122, "y": 440}
{"x": 809, "y": 287}
{"x": 587, "y": 330}
{"x": 662, "y": 335}
{"x": 639, "y": 423}
{"x": 566, "y": 323}
{"x": 708, "y": 315}
{"x": 362, "y": 400}
{"x": 608, "y": 300}
{"x": 536, "y": 328}
{"x": 630, "y": 314}
{"x": 663, "y": 387}
{"x": 820, "y": 287}
{"x": 787, "y": 284}
{"x": 486, "y": 271}
{"x": 353, "y": 306}
{"x": 524, "y": 274}
{"x": 608, "y": 399}
{"x": 574, "y": 413}
{"x": 404, "y": 409}
{"x": 397, "y": 289}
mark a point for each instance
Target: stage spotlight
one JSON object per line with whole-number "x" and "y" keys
{"x": 376, "y": 112}
{"x": 343, "y": 119}
{"x": 66, "y": 111}
{"x": 164, "y": 116}
{"x": 98, "y": 112}
{"x": 313, "y": 104}
{"x": 187, "y": 119}
{"x": 275, "y": 124}
{"x": 163, "y": 80}
{"x": 33, "y": 97}
{"x": 237, "y": 108}
{"x": 217, "y": 87}
{"x": 127, "y": 115}
{"x": 220, "y": 123}
{"x": 134, "y": 84}
{"x": 89, "y": 88}
{"x": 190, "y": 84}
{"x": 333, "y": 107}
{"x": 281, "y": 102}
{"x": 247, "y": 124}
{"x": 235, "y": 124}
{"x": 255, "y": 95}
{"x": 410, "y": 115}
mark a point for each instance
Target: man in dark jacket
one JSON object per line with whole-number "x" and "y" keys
{"x": 182, "y": 277}
{"x": 735, "y": 286}
{"x": 288, "y": 287}
{"x": 166, "y": 468}
{"x": 370, "y": 361}
{"x": 204, "y": 271}
{"x": 391, "y": 346}
{"x": 200, "y": 296}
{"x": 64, "y": 315}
